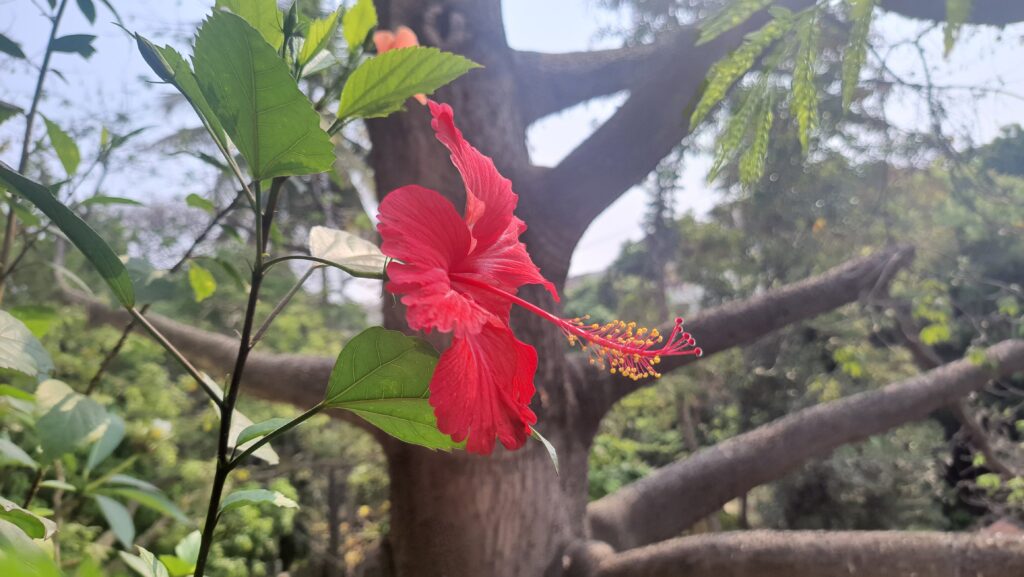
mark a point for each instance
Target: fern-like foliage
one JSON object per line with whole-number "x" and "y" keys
{"x": 727, "y": 71}
{"x": 860, "y": 14}
{"x": 804, "y": 101}
{"x": 734, "y": 14}
{"x": 753, "y": 160}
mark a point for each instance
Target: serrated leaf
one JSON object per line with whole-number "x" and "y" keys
{"x": 350, "y": 253}
{"x": 33, "y": 525}
{"x": 861, "y": 12}
{"x": 263, "y": 15}
{"x": 77, "y": 231}
{"x": 106, "y": 445}
{"x": 382, "y": 84}
{"x": 88, "y": 10}
{"x": 171, "y": 67}
{"x": 10, "y": 47}
{"x": 202, "y": 282}
{"x": 358, "y": 22}
{"x": 64, "y": 146}
{"x": 11, "y": 454}
{"x": 736, "y": 12}
{"x": 318, "y": 36}
{"x": 74, "y": 421}
{"x": 196, "y": 201}
{"x": 145, "y": 563}
{"x": 75, "y": 44}
{"x": 730, "y": 69}
{"x": 20, "y": 350}
{"x": 261, "y": 429}
{"x": 384, "y": 377}
{"x": 150, "y": 499}
{"x": 804, "y": 100}
{"x": 256, "y": 497}
{"x": 253, "y": 94}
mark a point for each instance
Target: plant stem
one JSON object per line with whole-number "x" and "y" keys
{"x": 32, "y": 490}
{"x": 313, "y": 411}
{"x": 170, "y": 348}
{"x": 227, "y": 408}
{"x": 12, "y": 220}
{"x": 273, "y": 261}
{"x": 283, "y": 303}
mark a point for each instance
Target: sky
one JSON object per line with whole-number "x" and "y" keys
{"x": 111, "y": 82}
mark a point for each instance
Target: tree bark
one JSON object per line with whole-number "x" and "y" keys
{"x": 666, "y": 503}
{"x": 823, "y": 554}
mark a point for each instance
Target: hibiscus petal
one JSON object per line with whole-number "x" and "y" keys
{"x": 418, "y": 225}
{"x": 481, "y": 390}
{"x": 431, "y": 303}
{"x": 489, "y": 196}
{"x": 505, "y": 263}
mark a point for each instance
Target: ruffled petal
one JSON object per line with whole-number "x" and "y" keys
{"x": 418, "y": 225}
{"x": 505, "y": 263}
{"x": 489, "y": 196}
{"x": 431, "y": 302}
{"x": 481, "y": 390}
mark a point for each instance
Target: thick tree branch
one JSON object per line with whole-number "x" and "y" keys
{"x": 664, "y": 504}
{"x": 299, "y": 380}
{"x": 743, "y": 322}
{"x": 993, "y": 12}
{"x": 549, "y": 83}
{"x": 823, "y": 554}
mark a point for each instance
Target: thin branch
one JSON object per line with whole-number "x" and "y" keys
{"x": 667, "y": 502}
{"x": 258, "y": 335}
{"x": 823, "y": 553}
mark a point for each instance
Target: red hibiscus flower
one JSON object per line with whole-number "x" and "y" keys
{"x": 459, "y": 274}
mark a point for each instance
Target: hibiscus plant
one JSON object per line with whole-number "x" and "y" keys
{"x": 456, "y": 272}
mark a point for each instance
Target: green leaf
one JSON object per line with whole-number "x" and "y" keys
{"x": 78, "y": 232}
{"x": 11, "y": 454}
{"x": 934, "y": 334}
{"x": 804, "y": 102}
{"x": 861, "y": 12}
{"x": 256, "y": 497}
{"x": 106, "y": 445}
{"x": 257, "y": 101}
{"x": 152, "y": 500}
{"x": 728, "y": 70}
{"x": 121, "y": 479}
{"x": 318, "y": 37}
{"x": 350, "y": 253}
{"x": 73, "y": 421}
{"x": 88, "y": 10}
{"x": 75, "y": 44}
{"x": 552, "y": 453}
{"x": 957, "y": 14}
{"x": 171, "y": 67}
{"x": 358, "y": 22}
{"x": 38, "y": 318}
{"x": 104, "y": 200}
{"x": 239, "y": 423}
{"x": 59, "y": 485}
{"x": 177, "y": 567}
{"x": 119, "y": 519}
{"x": 384, "y": 377}
{"x": 736, "y": 12}
{"x": 188, "y": 548}
{"x": 196, "y": 201}
{"x": 9, "y": 111}
{"x": 382, "y": 84}
{"x": 263, "y": 15}
{"x": 202, "y": 282}
{"x": 33, "y": 525}
{"x": 20, "y": 350}
{"x": 10, "y": 47}
{"x": 145, "y": 563}
{"x": 64, "y": 146}
{"x": 260, "y": 429}
{"x": 752, "y": 161}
